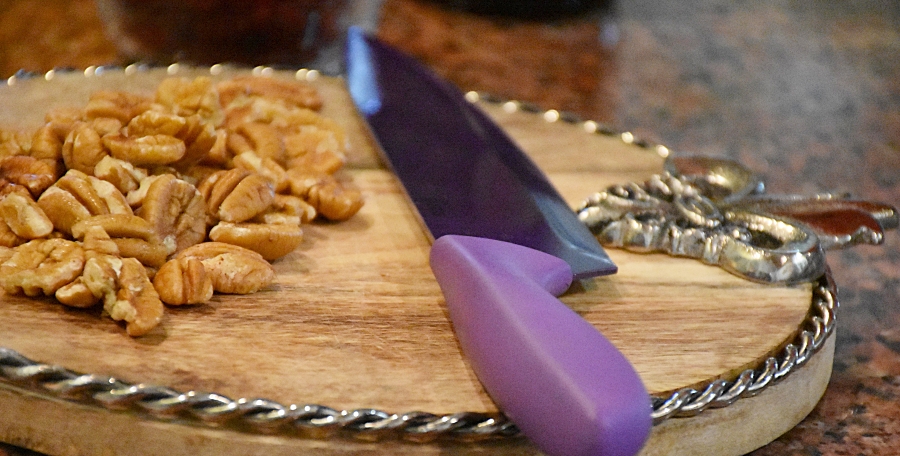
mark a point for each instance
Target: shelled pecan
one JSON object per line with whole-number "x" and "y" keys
{"x": 136, "y": 200}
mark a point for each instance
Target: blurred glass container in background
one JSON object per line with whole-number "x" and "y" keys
{"x": 249, "y": 32}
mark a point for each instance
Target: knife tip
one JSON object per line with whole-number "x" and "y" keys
{"x": 362, "y": 82}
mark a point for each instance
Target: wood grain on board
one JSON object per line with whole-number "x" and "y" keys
{"x": 356, "y": 320}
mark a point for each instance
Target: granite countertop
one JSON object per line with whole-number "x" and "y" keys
{"x": 807, "y": 94}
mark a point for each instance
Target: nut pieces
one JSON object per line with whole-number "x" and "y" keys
{"x": 271, "y": 240}
{"x": 175, "y": 209}
{"x": 236, "y": 195}
{"x": 137, "y": 302}
{"x": 145, "y": 150}
{"x": 134, "y": 237}
{"x": 41, "y": 266}
{"x": 167, "y": 198}
{"x": 23, "y": 218}
{"x": 183, "y": 281}
{"x": 78, "y": 196}
{"x": 232, "y": 269}
{"x": 28, "y": 172}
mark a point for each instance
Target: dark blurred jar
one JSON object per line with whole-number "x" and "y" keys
{"x": 252, "y": 32}
{"x": 527, "y": 9}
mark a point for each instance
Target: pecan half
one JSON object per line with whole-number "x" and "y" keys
{"x": 315, "y": 150}
{"x": 99, "y": 279}
{"x": 155, "y": 149}
{"x": 41, "y": 266}
{"x": 119, "y": 105}
{"x": 34, "y": 174}
{"x": 232, "y": 269}
{"x": 236, "y": 195}
{"x": 272, "y": 241}
{"x": 183, "y": 281}
{"x": 137, "y": 303}
{"x": 264, "y": 166}
{"x": 263, "y": 139}
{"x": 200, "y": 139}
{"x": 76, "y": 294}
{"x": 291, "y": 92}
{"x": 293, "y": 206}
{"x": 83, "y": 148}
{"x": 24, "y": 218}
{"x": 155, "y": 123}
{"x": 14, "y": 143}
{"x": 122, "y": 174}
{"x": 47, "y": 143}
{"x": 9, "y": 239}
{"x": 175, "y": 209}
{"x": 77, "y": 196}
{"x": 186, "y": 97}
{"x": 134, "y": 237}
{"x": 324, "y": 192}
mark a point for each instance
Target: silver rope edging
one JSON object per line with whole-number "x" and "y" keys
{"x": 263, "y": 415}
{"x": 269, "y": 416}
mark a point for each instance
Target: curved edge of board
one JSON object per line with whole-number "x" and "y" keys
{"x": 749, "y": 423}
{"x": 79, "y": 429}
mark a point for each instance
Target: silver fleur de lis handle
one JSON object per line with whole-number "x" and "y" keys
{"x": 716, "y": 210}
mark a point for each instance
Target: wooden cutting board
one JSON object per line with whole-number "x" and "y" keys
{"x": 356, "y": 319}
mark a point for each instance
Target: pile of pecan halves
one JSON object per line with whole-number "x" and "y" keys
{"x": 134, "y": 201}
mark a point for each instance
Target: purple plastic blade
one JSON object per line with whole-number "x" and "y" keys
{"x": 462, "y": 172}
{"x": 564, "y": 384}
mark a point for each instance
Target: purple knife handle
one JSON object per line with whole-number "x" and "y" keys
{"x": 568, "y": 389}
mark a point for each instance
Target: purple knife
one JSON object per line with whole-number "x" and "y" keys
{"x": 506, "y": 244}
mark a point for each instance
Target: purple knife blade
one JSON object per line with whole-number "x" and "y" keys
{"x": 500, "y": 195}
{"x": 505, "y": 245}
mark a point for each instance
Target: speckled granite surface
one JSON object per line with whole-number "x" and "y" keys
{"x": 805, "y": 93}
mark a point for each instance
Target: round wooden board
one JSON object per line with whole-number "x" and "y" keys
{"x": 356, "y": 319}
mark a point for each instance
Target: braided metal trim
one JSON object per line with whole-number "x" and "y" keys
{"x": 268, "y": 416}
{"x": 816, "y": 329}
{"x": 262, "y": 415}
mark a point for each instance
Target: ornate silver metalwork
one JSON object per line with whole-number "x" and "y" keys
{"x": 714, "y": 210}
{"x": 216, "y": 410}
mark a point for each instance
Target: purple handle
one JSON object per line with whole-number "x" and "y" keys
{"x": 568, "y": 389}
